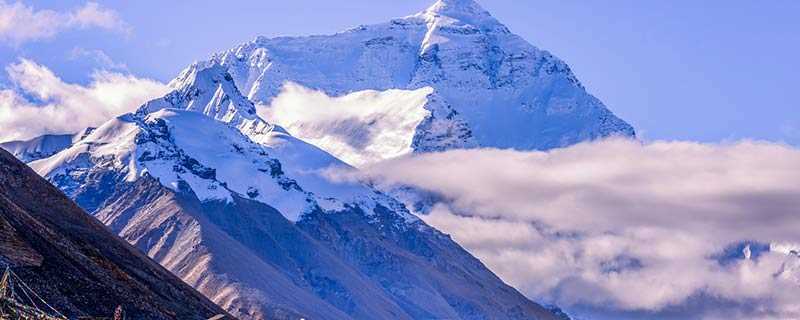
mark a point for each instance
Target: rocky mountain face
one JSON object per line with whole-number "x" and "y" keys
{"x": 490, "y": 88}
{"x": 75, "y": 264}
{"x": 250, "y": 219}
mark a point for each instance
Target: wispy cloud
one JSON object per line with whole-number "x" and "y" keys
{"x": 622, "y": 225}
{"x": 98, "y": 57}
{"x": 43, "y": 103}
{"x": 20, "y": 23}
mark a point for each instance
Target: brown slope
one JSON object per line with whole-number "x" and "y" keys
{"x": 75, "y": 263}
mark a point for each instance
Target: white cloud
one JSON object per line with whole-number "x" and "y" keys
{"x": 43, "y": 103}
{"x": 620, "y": 225}
{"x": 360, "y": 127}
{"x": 20, "y": 23}
{"x": 92, "y": 15}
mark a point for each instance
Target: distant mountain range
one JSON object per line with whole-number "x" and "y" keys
{"x": 43, "y": 146}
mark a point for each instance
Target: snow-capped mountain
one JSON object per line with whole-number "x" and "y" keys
{"x": 485, "y": 86}
{"x": 241, "y": 210}
{"x": 42, "y": 146}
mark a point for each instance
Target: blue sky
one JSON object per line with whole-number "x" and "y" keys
{"x": 686, "y": 70}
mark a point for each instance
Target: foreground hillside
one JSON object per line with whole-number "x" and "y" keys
{"x": 75, "y": 264}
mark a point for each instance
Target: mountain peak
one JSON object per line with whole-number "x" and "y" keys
{"x": 455, "y": 5}
{"x": 199, "y": 74}
{"x": 209, "y": 89}
{"x": 466, "y": 11}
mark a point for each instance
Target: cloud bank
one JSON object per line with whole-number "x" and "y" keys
{"x": 42, "y": 103}
{"x": 21, "y": 23}
{"x": 623, "y": 228}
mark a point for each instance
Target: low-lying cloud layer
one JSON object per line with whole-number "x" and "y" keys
{"x": 617, "y": 225}
{"x": 20, "y": 23}
{"x": 40, "y": 102}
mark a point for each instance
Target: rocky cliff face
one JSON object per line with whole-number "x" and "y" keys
{"x": 74, "y": 262}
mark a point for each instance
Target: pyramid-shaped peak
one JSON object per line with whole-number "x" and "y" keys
{"x": 467, "y": 11}
{"x": 209, "y": 84}
{"x": 209, "y": 89}
{"x": 201, "y": 75}
{"x": 456, "y": 5}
